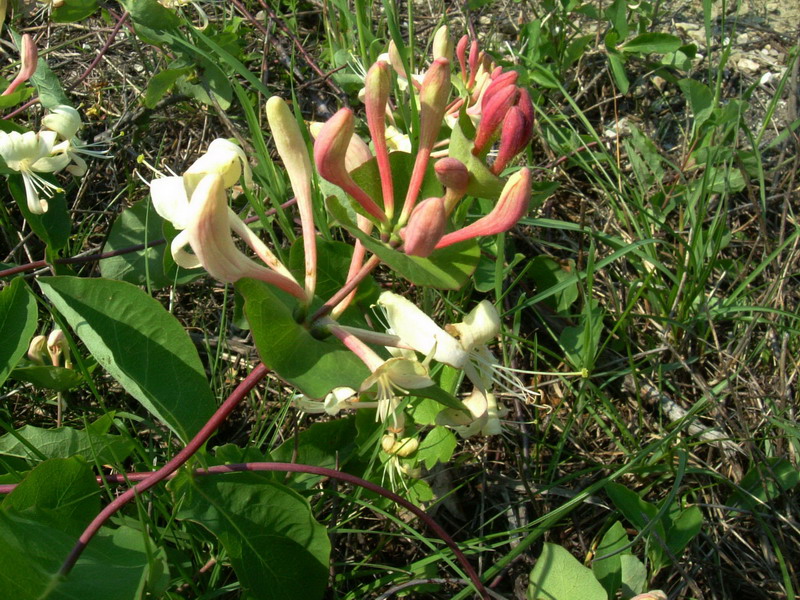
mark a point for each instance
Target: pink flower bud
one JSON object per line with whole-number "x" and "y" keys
{"x": 498, "y": 82}
{"x": 514, "y": 136}
{"x": 425, "y": 227}
{"x": 454, "y": 176}
{"x": 358, "y": 151}
{"x": 510, "y": 208}
{"x": 526, "y": 106}
{"x": 461, "y": 54}
{"x": 433, "y": 98}
{"x": 377, "y": 86}
{"x": 492, "y": 114}
{"x": 330, "y": 149}
{"x": 29, "y": 57}
{"x": 474, "y": 58}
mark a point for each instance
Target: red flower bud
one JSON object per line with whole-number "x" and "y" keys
{"x": 377, "y": 86}
{"x": 425, "y": 227}
{"x": 510, "y": 208}
{"x": 330, "y": 150}
{"x": 513, "y": 138}
{"x": 461, "y": 54}
{"x": 492, "y": 115}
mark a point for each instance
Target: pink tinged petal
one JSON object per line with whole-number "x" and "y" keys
{"x": 29, "y": 57}
{"x": 208, "y": 232}
{"x": 493, "y": 112}
{"x": 433, "y": 98}
{"x": 260, "y": 248}
{"x": 292, "y": 149}
{"x": 170, "y": 200}
{"x": 514, "y": 136}
{"x": 510, "y": 208}
{"x": 377, "y": 86}
{"x": 357, "y": 154}
{"x": 442, "y": 44}
{"x": 420, "y": 332}
{"x": 329, "y": 156}
{"x": 473, "y": 63}
{"x": 461, "y": 54}
{"x": 425, "y": 227}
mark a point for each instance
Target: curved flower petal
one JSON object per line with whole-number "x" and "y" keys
{"x": 224, "y": 158}
{"x": 64, "y": 120}
{"x": 171, "y": 200}
{"x": 420, "y": 332}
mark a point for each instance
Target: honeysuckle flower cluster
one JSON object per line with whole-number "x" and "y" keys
{"x": 52, "y": 149}
{"x": 420, "y": 225}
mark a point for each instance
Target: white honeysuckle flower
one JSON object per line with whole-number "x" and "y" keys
{"x": 222, "y": 157}
{"x": 393, "y": 376}
{"x": 396, "y": 140}
{"x": 420, "y": 332}
{"x": 483, "y": 418}
{"x": 468, "y": 352}
{"x": 29, "y": 153}
{"x": 339, "y": 399}
{"x": 207, "y": 229}
{"x": 66, "y": 122}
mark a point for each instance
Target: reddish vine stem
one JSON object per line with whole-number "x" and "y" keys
{"x": 40, "y": 264}
{"x": 241, "y": 391}
{"x": 324, "y": 472}
{"x": 348, "y": 287}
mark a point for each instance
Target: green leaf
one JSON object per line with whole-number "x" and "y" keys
{"x": 634, "y": 576}
{"x": 211, "y": 88}
{"x": 153, "y": 22}
{"x": 17, "y": 324}
{"x": 437, "y": 447}
{"x": 764, "y": 482}
{"x": 314, "y": 366}
{"x": 641, "y": 514}
{"x": 113, "y": 567}
{"x": 547, "y": 273}
{"x": 609, "y": 570}
{"x": 323, "y": 444}
{"x": 59, "y": 379}
{"x": 700, "y": 99}
{"x": 140, "y": 344}
{"x": 618, "y": 71}
{"x": 580, "y": 342}
{"x": 368, "y": 177}
{"x": 61, "y": 489}
{"x": 93, "y": 443}
{"x": 333, "y": 262}
{"x": 140, "y": 224}
{"x": 277, "y": 548}
{"x": 683, "y": 529}
{"x": 74, "y": 10}
{"x": 652, "y": 42}
{"x": 160, "y": 84}
{"x": 557, "y": 575}
{"x": 482, "y": 182}
{"x": 52, "y": 227}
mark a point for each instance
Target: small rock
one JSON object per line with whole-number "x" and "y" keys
{"x": 748, "y": 66}
{"x": 767, "y": 78}
{"x": 659, "y": 82}
{"x": 742, "y": 39}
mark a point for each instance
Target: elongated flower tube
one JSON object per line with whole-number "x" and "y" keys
{"x": 29, "y": 57}
{"x": 377, "y": 86}
{"x": 330, "y": 149}
{"x": 207, "y": 229}
{"x": 433, "y": 98}
{"x": 510, "y": 208}
{"x": 29, "y": 154}
{"x": 425, "y": 227}
{"x": 461, "y": 55}
{"x": 292, "y": 149}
